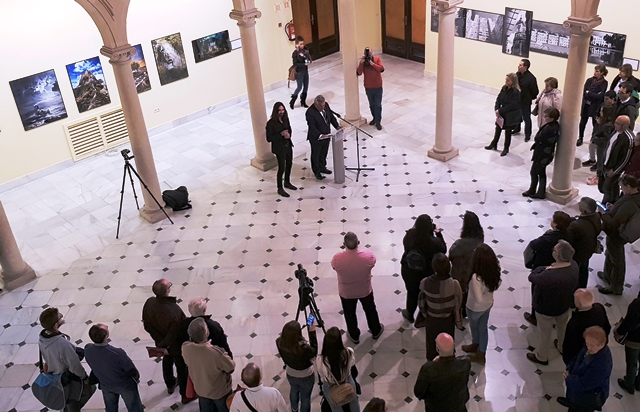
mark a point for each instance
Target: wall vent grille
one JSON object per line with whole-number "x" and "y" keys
{"x": 96, "y": 134}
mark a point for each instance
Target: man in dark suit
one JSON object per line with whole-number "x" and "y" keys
{"x": 616, "y": 158}
{"x": 584, "y": 232}
{"x": 319, "y": 119}
{"x": 627, "y": 104}
{"x": 528, "y": 92}
{"x": 442, "y": 383}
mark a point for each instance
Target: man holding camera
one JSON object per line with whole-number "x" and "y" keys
{"x": 372, "y": 68}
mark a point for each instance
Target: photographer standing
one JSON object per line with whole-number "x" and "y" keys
{"x": 372, "y": 68}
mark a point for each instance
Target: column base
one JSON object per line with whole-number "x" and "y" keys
{"x": 561, "y": 197}
{"x": 15, "y": 280}
{"x": 359, "y": 121}
{"x": 443, "y": 156}
{"x": 264, "y": 165}
{"x": 155, "y": 215}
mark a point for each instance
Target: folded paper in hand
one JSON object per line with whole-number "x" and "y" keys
{"x": 500, "y": 121}
{"x": 156, "y": 352}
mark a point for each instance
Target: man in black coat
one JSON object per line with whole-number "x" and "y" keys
{"x": 627, "y": 105}
{"x": 586, "y": 314}
{"x": 616, "y": 158}
{"x": 319, "y": 119}
{"x": 528, "y": 92}
{"x": 161, "y": 316}
{"x": 584, "y": 233}
{"x": 442, "y": 383}
{"x": 544, "y": 147}
{"x": 197, "y": 309}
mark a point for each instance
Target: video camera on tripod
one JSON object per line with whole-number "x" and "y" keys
{"x": 306, "y": 298}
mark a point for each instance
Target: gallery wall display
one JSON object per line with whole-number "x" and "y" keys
{"x": 633, "y": 62}
{"x": 484, "y": 26}
{"x": 460, "y": 23}
{"x": 170, "y": 60}
{"x": 211, "y": 46}
{"x": 140, "y": 71}
{"x": 88, "y": 84}
{"x": 516, "y": 32}
{"x": 550, "y": 38}
{"x": 38, "y": 99}
{"x": 607, "y": 48}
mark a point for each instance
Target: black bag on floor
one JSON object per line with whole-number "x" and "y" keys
{"x": 177, "y": 199}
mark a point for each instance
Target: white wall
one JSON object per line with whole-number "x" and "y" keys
{"x": 39, "y": 35}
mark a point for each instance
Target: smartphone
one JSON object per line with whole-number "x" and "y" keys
{"x": 601, "y": 206}
{"x": 310, "y": 320}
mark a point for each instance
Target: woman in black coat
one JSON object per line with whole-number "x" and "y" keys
{"x": 626, "y": 75}
{"x": 507, "y": 112}
{"x": 592, "y": 98}
{"x": 544, "y": 146}
{"x": 279, "y": 135}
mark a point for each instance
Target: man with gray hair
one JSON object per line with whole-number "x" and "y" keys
{"x": 257, "y": 396}
{"x": 210, "y": 367}
{"x": 553, "y": 288}
{"x": 197, "y": 309}
{"x": 584, "y": 230}
{"x": 319, "y": 119}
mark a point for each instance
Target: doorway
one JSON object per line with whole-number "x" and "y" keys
{"x": 317, "y": 22}
{"x": 403, "y": 28}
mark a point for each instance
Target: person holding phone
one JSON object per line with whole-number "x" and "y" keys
{"x": 298, "y": 355}
{"x": 301, "y": 60}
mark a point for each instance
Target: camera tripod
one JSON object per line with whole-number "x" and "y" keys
{"x": 306, "y": 299}
{"x": 128, "y": 168}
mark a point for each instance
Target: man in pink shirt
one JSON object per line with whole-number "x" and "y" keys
{"x": 353, "y": 267}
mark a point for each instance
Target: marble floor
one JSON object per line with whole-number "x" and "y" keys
{"x": 239, "y": 244}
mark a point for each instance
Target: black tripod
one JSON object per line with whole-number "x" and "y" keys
{"x": 128, "y": 168}
{"x": 306, "y": 299}
{"x": 358, "y": 169}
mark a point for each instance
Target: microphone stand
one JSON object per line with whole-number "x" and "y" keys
{"x": 359, "y": 168}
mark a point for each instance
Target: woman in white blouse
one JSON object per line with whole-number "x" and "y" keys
{"x": 484, "y": 281}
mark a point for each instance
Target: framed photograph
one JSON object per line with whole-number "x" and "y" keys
{"x": 607, "y": 48}
{"x": 170, "y": 60}
{"x": 461, "y": 21}
{"x": 88, "y": 84}
{"x": 38, "y": 99}
{"x": 211, "y": 46}
{"x": 633, "y": 62}
{"x": 139, "y": 70}
{"x": 516, "y": 32}
{"x": 549, "y": 38}
{"x": 236, "y": 44}
{"x": 484, "y": 26}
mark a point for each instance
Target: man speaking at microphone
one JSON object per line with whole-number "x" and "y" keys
{"x": 320, "y": 117}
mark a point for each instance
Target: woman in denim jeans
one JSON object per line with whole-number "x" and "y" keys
{"x": 298, "y": 355}
{"x": 484, "y": 281}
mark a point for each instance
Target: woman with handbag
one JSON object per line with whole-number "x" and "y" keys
{"x": 508, "y": 113}
{"x": 334, "y": 367}
{"x": 298, "y": 355}
{"x": 627, "y": 333}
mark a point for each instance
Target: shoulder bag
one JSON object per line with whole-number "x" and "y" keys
{"x": 630, "y": 230}
{"x": 622, "y": 339}
{"x": 246, "y": 402}
{"x": 48, "y": 389}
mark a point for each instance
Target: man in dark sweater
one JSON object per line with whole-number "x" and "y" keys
{"x": 616, "y": 158}
{"x": 584, "y": 232}
{"x": 116, "y": 373}
{"x": 197, "y": 309}
{"x": 528, "y": 92}
{"x": 161, "y": 316}
{"x": 442, "y": 383}
{"x": 586, "y": 314}
{"x": 627, "y": 104}
{"x": 553, "y": 289}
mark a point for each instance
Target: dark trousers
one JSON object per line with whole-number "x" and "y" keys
{"x": 614, "y": 263}
{"x": 610, "y": 189}
{"x": 631, "y": 378}
{"x": 285, "y": 160}
{"x": 375, "y": 103}
{"x": 412, "y": 284}
{"x": 167, "y": 372}
{"x": 130, "y": 396}
{"x": 507, "y": 137}
{"x": 319, "y": 151}
{"x": 369, "y": 307}
{"x": 302, "y": 83}
{"x": 436, "y": 326}
{"x": 584, "y": 118}
{"x": 583, "y": 274}
{"x": 538, "y": 178}
{"x": 526, "y": 117}
{"x": 213, "y": 405}
{"x": 85, "y": 393}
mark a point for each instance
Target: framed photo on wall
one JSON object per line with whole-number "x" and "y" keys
{"x": 516, "y": 32}
{"x": 170, "y": 60}
{"x": 460, "y": 24}
{"x": 211, "y": 46}
{"x": 633, "y": 62}
{"x": 88, "y": 84}
{"x": 607, "y": 48}
{"x": 549, "y": 38}
{"x": 484, "y": 26}
{"x": 38, "y": 99}
{"x": 139, "y": 70}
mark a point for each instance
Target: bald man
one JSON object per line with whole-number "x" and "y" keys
{"x": 616, "y": 159}
{"x": 261, "y": 398}
{"x": 586, "y": 314}
{"x": 443, "y": 382}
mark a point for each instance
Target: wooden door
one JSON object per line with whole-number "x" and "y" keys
{"x": 403, "y": 28}
{"x": 317, "y": 22}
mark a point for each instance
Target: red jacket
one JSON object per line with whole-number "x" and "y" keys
{"x": 372, "y": 73}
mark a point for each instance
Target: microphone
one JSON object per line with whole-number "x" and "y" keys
{"x": 336, "y": 114}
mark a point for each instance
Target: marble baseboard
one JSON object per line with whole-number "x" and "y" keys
{"x": 12, "y": 184}
{"x": 467, "y": 84}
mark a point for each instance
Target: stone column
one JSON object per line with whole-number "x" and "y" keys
{"x": 584, "y": 17}
{"x": 350, "y": 60}
{"x": 245, "y": 12}
{"x": 111, "y": 19}
{"x": 443, "y": 149}
{"x": 15, "y": 272}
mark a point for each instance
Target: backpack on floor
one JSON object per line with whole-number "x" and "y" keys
{"x": 177, "y": 199}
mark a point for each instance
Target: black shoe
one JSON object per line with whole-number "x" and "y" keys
{"x": 527, "y": 138}
{"x": 407, "y": 316}
{"x": 531, "y": 318}
{"x": 491, "y": 147}
{"x": 378, "y": 126}
{"x": 563, "y": 401}
{"x": 319, "y": 176}
{"x": 602, "y": 277}
{"x": 538, "y": 195}
{"x": 528, "y": 193}
{"x": 533, "y": 358}
{"x": 624, "y": 386}
{"x": 171, "y": 389}
{"x": 588, "y": 163}
{"x": 607, "y": 291}
{"x": 372, "y": 122}
{"x": 579, "y": 142}
{"x": 303, "y": 103}
{"x": 326, "y": 171}
{"x": 504, "y": 153}
{"x": 638, "y": 383}
{"x": 288, "y": 185}
{"x": 282, "y": 193}
{"x": 594, "y": 168}
{"x": 292, "y": 101}
{"x": 516, "y": 131}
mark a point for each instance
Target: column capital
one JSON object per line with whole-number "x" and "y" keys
{"x": 246, "y": 18}
{"x": 580, "y": 26}
{"x": 110, "y": 16}
{"x": 446, "y": 6}
{"x": 119, "y": 55}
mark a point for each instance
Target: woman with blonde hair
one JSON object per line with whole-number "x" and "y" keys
{"x": 550, "y": 96}
{"x": 508, "y": 113}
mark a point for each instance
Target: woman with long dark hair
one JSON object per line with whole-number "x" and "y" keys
{"x": 508, "y": 113}
{"x": 298, "y": 355}
{"x": 420, "y": 243}
{"x": 279, "y": 135}
{"x": 336, "y": 366}
{"x": 484, "y": 281}
{"x": 461, "y": 252}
